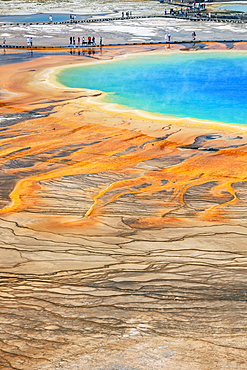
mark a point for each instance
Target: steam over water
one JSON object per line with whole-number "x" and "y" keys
{"x": 210, "y": 86}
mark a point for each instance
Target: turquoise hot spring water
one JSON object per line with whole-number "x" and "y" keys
{"x": 203, "y": 85}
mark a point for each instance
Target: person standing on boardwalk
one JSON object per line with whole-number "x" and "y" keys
{"x": 4, "y": 41}
{"x": 169, "y": 37}
{"x": 70, "y": 40}
{"x": 100, "y": 42}
{"x": 78, "y": 41}
{"x": 73, "y": 40}
{"x": 193, "y": 35}
{"x": 31, "y": 41}
{"x": 28, "y": 42}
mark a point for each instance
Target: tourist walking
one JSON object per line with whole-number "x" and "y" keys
{"x": 193, "y": 35}
{"x": 78, "y": 41}
{"x": 4, "y": 41}
{"x": 169, "y": 37}
{"x": 100, "y": 42}
{"x": 28, "y": 41}
{"x": 73, "y": 40}
{"x": 31, "y": 41}
{"x": 70, "y": 40}
{"x": 93, "y": 40}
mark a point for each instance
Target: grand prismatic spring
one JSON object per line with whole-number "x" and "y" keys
{"x": 123, "y": 216}
{"x": 209, "y": 86}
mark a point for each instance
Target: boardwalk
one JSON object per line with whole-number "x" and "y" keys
{"x": 214, "y": 17}
{"x": 91, "y": 47}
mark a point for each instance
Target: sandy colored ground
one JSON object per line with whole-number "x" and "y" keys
{"x": 123, "y": 236}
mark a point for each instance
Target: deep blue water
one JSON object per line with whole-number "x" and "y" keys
{"x": 204, "y": 85}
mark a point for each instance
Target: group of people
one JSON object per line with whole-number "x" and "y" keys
{"x": 72, "y": 17}
{"x": 84, "y": 42}
{"x": 29, "y": 41}
{"x": 187, "y": 13}
{"x": 177, "y": 12}
{"x": 128, "y": 14}
{"x": 168, "y": 36}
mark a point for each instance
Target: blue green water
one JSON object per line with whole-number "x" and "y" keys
{"x": 205, "y": 85}
{"x": 235, "y": 8}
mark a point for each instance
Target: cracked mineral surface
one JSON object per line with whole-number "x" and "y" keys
{"x": 122, "y": 236}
